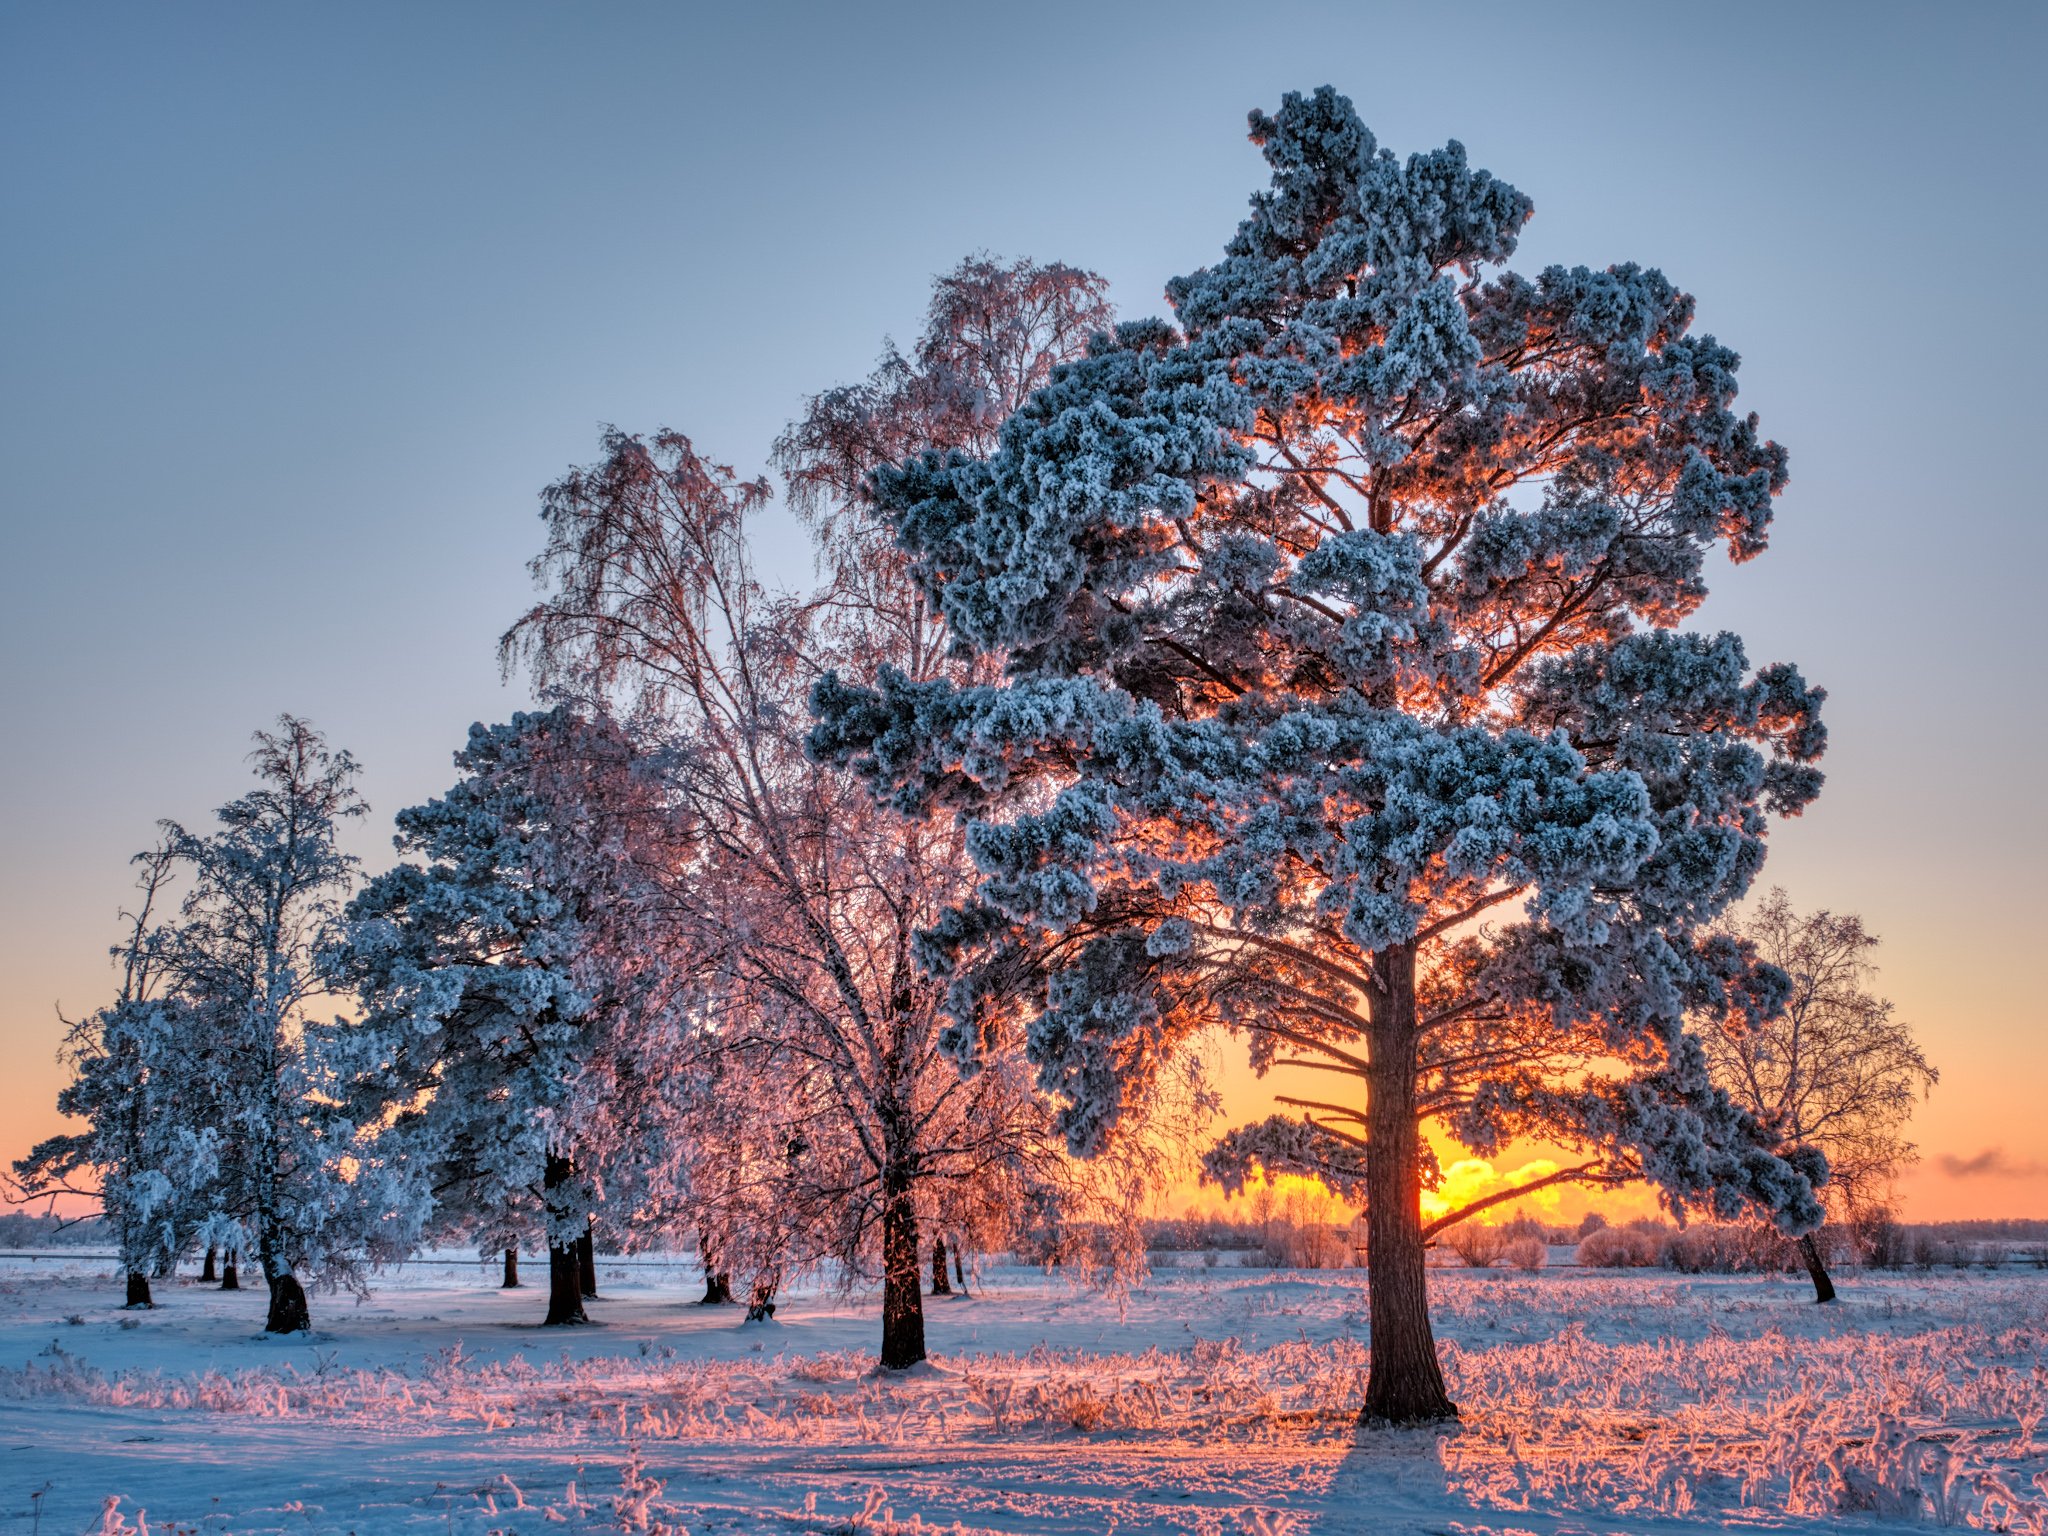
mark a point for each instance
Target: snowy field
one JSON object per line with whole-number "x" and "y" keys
{"x": 1213, "y": 1401}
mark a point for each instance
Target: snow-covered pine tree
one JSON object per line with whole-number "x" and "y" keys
{"x": 1339, "y": 615}
{"x": 291, "y": 1182}
{"x": 487, "y": 1001}
{"x": 143, "y": 1151}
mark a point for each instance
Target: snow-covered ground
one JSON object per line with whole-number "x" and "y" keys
{"x": 1209, "y": 1401}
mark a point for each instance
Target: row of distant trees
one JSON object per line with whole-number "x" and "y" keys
{"x": 1310, "y": 668}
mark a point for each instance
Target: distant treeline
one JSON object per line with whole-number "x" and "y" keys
{"x": 21, "y": 1230}
{"x": 1281, "y": 1237}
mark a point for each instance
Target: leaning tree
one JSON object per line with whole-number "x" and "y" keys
{"x": 1835, "y": 1068}
{"x": 1346, "y": 705}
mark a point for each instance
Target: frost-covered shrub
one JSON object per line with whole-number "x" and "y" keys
{"x": 1704, "y": 1249}
{"x": 1638, "y": 1245}
{"x": 1480, "y": 1246}
{"x": 1526, "y": 1251}
{"x": 1878, "y": 1238}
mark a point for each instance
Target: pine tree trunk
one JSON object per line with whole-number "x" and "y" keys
{"x": 138, "y": 1291}
{"x": 207, "y": 1270}
{"x": 565, "y": 1266}
{"x": 586, "y": 1264}
{"x": 941, "y": 1286}
{"x": 230, "y": 1277}
{"x": 902, "y": 1296}
{"x": 1823, "y": 1287}
{"x": 511, "y": 1280}
{"x": 1405, "y": 1384}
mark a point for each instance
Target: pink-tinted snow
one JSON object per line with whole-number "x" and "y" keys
{"x": 1211, "y": 1400}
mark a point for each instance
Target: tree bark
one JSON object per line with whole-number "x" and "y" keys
{"x": 902, "y": 1295}
{"x": 761, "y": 1303}
{"x": 565, "y": 1287}
{"x": 941, "y": 1286}
{"x": 1405, "y": 1383}
{"x": 207, "y": 1270}
{"x": 1823, "y": 1287}
{"x": 565, "y": 1266}
{"x": 230, "y": 1277}
{"x": 586, "y": 1264}
{"x": 288, "y": 1310}
{"x": 511, "y": 1280}
{"x": 138, "y": 1291}
{"x": 959, "y": 1269}
{"x": 717, "y": 1282}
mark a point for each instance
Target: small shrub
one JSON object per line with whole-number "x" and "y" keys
{"x": 1526, "y": 1252}
{"x": 1080, "y": 1407}
{"x": 1479, "y": 1246}
{"x": 1636, "y": 1246}
{"x": 1878, "y": 1237}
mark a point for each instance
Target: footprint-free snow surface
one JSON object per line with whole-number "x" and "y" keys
{"x": 1208, "y": 1400}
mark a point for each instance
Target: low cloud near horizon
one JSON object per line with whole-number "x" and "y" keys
{"x": 1991, "y": 1163}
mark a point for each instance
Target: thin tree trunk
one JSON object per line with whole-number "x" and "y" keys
{"x": 230, "y": 1276}
{"x": 761, "y": 1304}
{"x": 207, "y": 1270}
{"x": 511, "y": 1280}
{"x": 1823, "y": 1287}
{"x": 1405, "y": 1384}
{"x": 586, "y": 1264}
{"x": 941, "y": 1286}
{"x": 959, "y": 1269}
{"x": 138, "y": 1290}
{"x": 902, "y": 1296}
{"x": 565, "y": 1268}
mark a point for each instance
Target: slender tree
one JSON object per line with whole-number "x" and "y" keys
{"x": 134, "y": 1158}
{"x": 1834, "y": 1068}
{"x": 804, "y": 900}
{"x": 1338, "y": 621}
{"x": 291, "y": 1181}
{"x": 801, "y": 895}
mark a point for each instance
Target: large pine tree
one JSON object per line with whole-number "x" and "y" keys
{"x": 1346, "y": 703}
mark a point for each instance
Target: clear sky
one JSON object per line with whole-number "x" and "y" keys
{"x": 300, "y": 306}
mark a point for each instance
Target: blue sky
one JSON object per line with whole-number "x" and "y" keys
{"x": 300, "y": 307}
